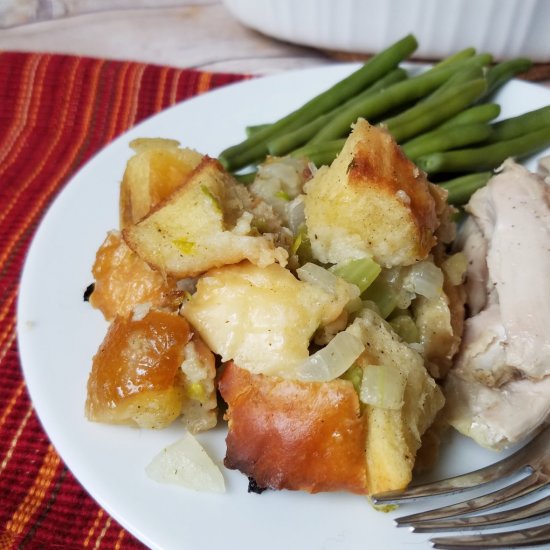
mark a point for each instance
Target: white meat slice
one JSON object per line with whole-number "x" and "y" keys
{"x": 474, "y": 245}
{"x": 497, "y": 417}
{"x": 513, "y": 213}
{"x": 483, "y": 348}
{"x": 504, "y": 358}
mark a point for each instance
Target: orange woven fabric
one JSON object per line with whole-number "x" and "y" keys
{"x": 56, "y": 111}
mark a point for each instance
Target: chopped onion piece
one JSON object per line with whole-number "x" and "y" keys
{"x": 383, "y": 386}
{"x": 186, "y": 463}
{"x": 323, "y": 278}
{"x": 333, "y": 360}
{"x": 424, "y": 278}
{"x": 296, "y": 214}
{"x": 317, "y": 275}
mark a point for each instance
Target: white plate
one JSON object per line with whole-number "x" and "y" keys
{"x": 59, "y": 333}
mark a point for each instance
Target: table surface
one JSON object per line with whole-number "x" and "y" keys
{"x": 198, "y": 34}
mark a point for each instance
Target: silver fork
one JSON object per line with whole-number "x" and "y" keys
{"x": 532, "y": 460}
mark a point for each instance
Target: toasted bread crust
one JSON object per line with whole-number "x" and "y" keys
{"x": 287, "y": 434}
{"x": 192, "y": 230}
{"x": 157, "y": 168}
{"x": 123, "y": 280}
{"x": 135, "y": 372}
{"x": 379, "y": 166}
{"x": 371, "y": 201}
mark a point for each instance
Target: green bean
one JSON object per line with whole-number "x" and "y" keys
{"x": 320, "y": 153}
{"x": 289, "y": 141}
{"x": 458, "y": 56}
{"x": 486, "y": 157}
{"x": 485, "y": 112}
{"x": 462, "y": 188}
{"x": 464, "y": 75}
{"x": 516, "y": 126}
{"x": 501, "y": 73}
{"x": 254, "y": 128}
{"x": 394, "y": 96}
{"x": 428, "y": 114}
{"x": 254, "y": 148}
{"x": 246, "y": 178}
{"x": 285, "y": 143}
{"x": 443, "y": 139}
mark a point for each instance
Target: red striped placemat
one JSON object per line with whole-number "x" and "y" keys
{"x": 56, "y": 111}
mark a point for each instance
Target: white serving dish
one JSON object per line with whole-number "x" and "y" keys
{"x": 505, "y": 28}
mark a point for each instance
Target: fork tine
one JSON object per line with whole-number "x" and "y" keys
{"x": 525, "y": 486}
{"x": 516, "y": 463}
{"x": 452, "y": 485}
{"x": 534, "y": 510}
{"x": 531, "y": 536}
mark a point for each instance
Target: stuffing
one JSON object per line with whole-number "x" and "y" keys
{"x": 288, "y": 282}
{"x": 203, "y": 224}
{"x": 329, "y": 436}
{"x": 288, "y": 434}
{"x": 394, "y": 435}
{"x": 372, "y": 201}
{"x": 140, "y": 377}
{"x": 122, "y": 281}
{"x": 157, "y": 168}
{"x": 262, "y": 318}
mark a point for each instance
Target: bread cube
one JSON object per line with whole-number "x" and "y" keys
{"x": 288, "y": 434}
{"x": 156, "y": 169}
{"x": 394, "y": 435}
{"x": 122, "y": 281}
{"x": 148, "y": 371}
{"x": 203, "y": 224}
{"x": 262, "y": 318}
{"x": 372, "y": 201}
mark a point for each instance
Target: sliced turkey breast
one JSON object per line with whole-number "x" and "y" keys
{"x": 506, "y": 342}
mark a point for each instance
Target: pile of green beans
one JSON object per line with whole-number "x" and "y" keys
{"x": 443, "y": 118}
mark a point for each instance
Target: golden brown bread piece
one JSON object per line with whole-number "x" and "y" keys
{"x": 261, "y": 318}
{"x": 157, "y": 168}
{"x": 135, "y": 377}
{"x": 288, "y": 434}
{"x": 371, "y": 201}
{"x": 151, "y": 369}
{"x": 123, "y": 280}
{"x": 393, "y": 436}
{"x": 204, "y": 223}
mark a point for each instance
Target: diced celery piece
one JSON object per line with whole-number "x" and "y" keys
{"x": 405, "y": 327}
{"x": 361, "y": 272}
{"x": 354, "y": 375}
{"x": 383, "y": 295}
{"x": 184, "y": 246}
{"x": 215, "y": 202}
{"x": 302, "y": 246}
